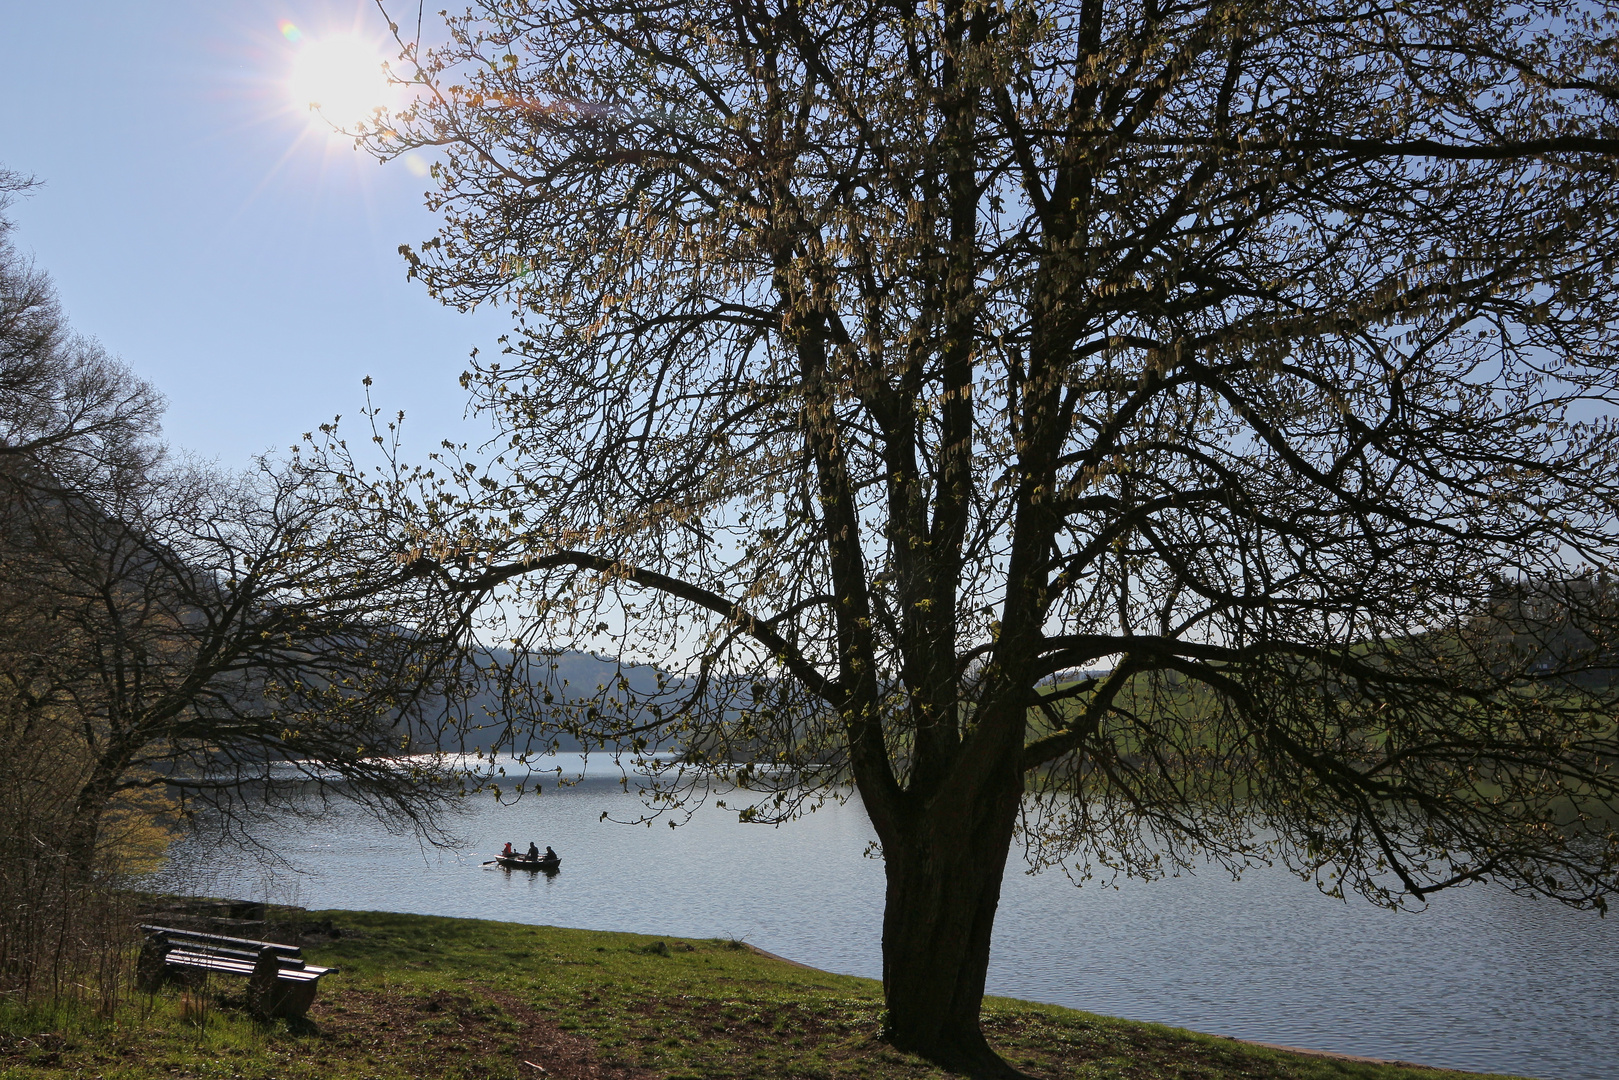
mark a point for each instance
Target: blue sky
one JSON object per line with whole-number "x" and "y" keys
{"x": 199, "y": 224}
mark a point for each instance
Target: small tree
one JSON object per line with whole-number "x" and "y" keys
{"x": 166, "y": 628}
{"x": 1108, "y": 419}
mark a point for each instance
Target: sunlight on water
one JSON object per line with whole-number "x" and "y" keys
{"x": 1481, "y": 980}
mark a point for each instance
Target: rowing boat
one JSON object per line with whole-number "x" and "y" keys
{"x": 523, "y": 862}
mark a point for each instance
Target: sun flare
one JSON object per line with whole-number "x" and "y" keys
{"x": 341, "y": 76}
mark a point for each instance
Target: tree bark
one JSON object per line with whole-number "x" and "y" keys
{"x": 83, "y": 834}
{"x": 944, "y": 885}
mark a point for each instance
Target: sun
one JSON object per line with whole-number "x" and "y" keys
{"x": 342, "y": 76}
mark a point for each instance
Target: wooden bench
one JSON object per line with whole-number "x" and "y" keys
{"x": 279, "y": 983}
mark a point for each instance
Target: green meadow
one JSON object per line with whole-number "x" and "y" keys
{"x": 457, "y": 999}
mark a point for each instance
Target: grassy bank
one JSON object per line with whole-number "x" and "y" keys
{"x": 422, "y": 997}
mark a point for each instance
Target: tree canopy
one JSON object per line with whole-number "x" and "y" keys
{"x": 1123, "y": 422}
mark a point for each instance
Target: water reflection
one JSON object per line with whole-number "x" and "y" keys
{"x": 1481, "y": 980}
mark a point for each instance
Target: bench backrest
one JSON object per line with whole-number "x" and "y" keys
{"x": 220, "y": 943}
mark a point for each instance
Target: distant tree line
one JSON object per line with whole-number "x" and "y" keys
{"x": 1559, "y": 629}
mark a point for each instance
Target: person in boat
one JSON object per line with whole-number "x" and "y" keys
{"x": 550, "y": 856}
{"x": 507, "y": 852}
{"x": 534, "y": 852}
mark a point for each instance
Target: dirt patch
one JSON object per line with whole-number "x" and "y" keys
{"x": 420, "y": 1034}
{"x": 545, "y": 1050}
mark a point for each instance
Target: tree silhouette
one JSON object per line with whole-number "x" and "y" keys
{"x": 173, "y": 629}
{"x": 1109, "y": 420}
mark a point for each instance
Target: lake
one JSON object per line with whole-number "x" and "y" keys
{"x": 1480, "y": 980}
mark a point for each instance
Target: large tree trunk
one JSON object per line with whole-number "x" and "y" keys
{"x": 944, "y": 885}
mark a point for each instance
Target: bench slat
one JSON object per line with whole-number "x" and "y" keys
{"x": 231, "y": 954}
{"x": 212, "y": 963}
{"x": 216, "y": 963}
{"x": 247, "y": 944}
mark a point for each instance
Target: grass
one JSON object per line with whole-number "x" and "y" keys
{"x": 425, "y": 997}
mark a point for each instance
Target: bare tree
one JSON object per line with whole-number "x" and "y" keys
{"x": 1104, "y": 419}
{"x": 170, "y": 628}
{"x": 64, "y": 403}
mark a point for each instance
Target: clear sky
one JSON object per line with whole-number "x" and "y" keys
{"x": 201, "y": 226}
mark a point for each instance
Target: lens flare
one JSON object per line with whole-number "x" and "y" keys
{"x": 341, "y": 76}
{"x": 291, "y": 32}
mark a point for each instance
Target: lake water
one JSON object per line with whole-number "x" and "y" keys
{"x": 1480, "y": 980}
